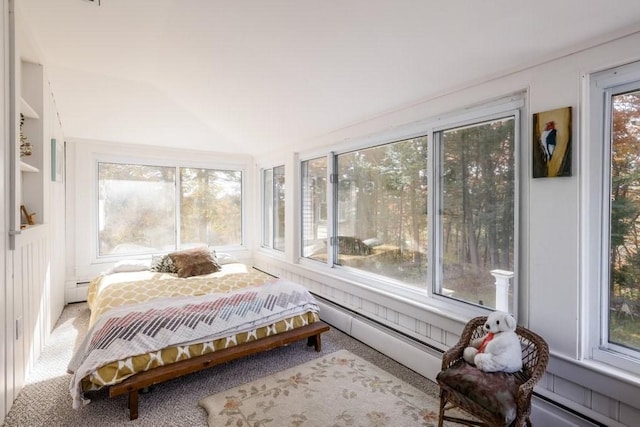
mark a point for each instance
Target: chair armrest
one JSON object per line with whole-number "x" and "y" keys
{"x": 538, "y": 372}
{"x": 454, "y": 353}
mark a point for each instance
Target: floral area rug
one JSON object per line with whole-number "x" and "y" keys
{"x": 337, "y": 390}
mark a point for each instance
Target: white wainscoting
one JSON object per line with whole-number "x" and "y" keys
{"x": 30, "y": 312}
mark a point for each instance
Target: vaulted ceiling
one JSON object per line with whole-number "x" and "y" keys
{"x": 252, "y": 76}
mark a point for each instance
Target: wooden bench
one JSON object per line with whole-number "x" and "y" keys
{"x": 142, "y": 380}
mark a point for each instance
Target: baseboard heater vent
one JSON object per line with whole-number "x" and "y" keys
{"x": 379, "y": 325}
{"x": 404, "y": 349}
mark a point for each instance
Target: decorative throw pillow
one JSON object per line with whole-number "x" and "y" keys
{"x": 162, "y": 264}
{"x": 194, "y": 262}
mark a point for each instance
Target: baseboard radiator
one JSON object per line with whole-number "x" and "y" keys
{"x": 427, "y": 361}
{"x": 76, "y": 292}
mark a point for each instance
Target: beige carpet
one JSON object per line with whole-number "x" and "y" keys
{"x": 339, "y": 389}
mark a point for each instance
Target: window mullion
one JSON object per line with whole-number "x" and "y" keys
{"x": 332, "y": 206}
{"x": 274, "y": 211}
{"x": 178, "y": 195}
{"x": 606, "y": 225}
{"x": 434, "y": 216}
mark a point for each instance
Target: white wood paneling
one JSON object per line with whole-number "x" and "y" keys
{"x": 32, "y": 290}
{"x": 5, "y": 293}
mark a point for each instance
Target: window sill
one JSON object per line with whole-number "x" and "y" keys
{"x": 605, "y": 379}
{"x": 616, "y": 364}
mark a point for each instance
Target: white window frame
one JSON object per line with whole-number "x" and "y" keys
{"x": 438, "y": 273}
{"x": 264, "y": 202}
{"x": 595, "y": 209}
{"x": 509, "y": 105}
{"x": 109, "y": 158}
{"x": 299, "y": 210}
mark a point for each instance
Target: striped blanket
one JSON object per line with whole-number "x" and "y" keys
{"x": 148, "y": 327}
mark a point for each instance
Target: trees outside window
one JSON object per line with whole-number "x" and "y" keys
{"x": 210, "y": 207}
{"x": 432, "y": 212}
{"x": 138, "y": 213}
{"x": 611, "y": 218}
{"x": 273, "y": 204}
{"x": 315, "y": 227}
{"x": 382, "y": 210}
{"x": 624, "y": 250}
{"x": 477, "y": 217}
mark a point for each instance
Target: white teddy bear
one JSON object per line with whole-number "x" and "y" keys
{"x": 499, "y": 350}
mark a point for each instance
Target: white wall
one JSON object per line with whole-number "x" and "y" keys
{"x": 550, "y": 238}
{"x": 57, "y": 218}
{"x": 4, "y": 197}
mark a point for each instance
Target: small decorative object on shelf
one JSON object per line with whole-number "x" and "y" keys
{"x": 30, "y": 217}
{"x": 25, "y": 147}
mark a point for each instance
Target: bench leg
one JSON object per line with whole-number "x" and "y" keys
{"x": 314, "y": 341}
{"x": 133, "y": 405}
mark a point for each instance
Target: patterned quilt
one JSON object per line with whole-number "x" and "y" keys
{"x": 132, "y": 336}
{"x": 115, "y": 290}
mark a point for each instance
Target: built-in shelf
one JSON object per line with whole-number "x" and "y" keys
{"x": 27, "y": 110}
{"x": 24, "y": 227}
{"x": 26, "y": 167}
{"x": 30, "y": 181}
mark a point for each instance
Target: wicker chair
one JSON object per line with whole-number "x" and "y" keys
{"x": 492, "y": 399}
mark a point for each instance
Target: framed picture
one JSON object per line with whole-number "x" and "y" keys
{"x": 552, "y": 143}
{"x": 57, "y": 160}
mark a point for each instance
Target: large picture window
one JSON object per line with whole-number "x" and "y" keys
{"x": 624, "y": 217}
{"x": 611, "y": 223}
{"x": 612, "y": 218}
{"x": 382, "y": 210}
{"x": 430, "y": 214}
{"x": 477, "y": 212}
{"x": 147, "y": 209}
{"x": 210, "y": 207}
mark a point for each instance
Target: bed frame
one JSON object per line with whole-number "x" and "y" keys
{"x": 142, "y": 380}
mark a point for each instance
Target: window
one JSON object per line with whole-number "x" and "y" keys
{"x": 273, "y": 208}
{"x": 615, "y": 291}
{"x": 477, "y": 212}
{"x": 314, "y": 209}
{"x": 382, "y": 210}
{"x": 210, "y": 207}
{"x": 146, "y": 209}
{"x": 429, "y": 210}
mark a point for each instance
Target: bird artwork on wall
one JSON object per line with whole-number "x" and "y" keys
{"x": 552, "y": 143}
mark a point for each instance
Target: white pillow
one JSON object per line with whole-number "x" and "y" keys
{"x": 129, "y": 265}
{"x": 225, "y": 258}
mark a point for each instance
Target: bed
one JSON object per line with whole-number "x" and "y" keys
{"x": 152, "y": 324}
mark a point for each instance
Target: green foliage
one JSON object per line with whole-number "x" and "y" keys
{"x": 624, "y": 215}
